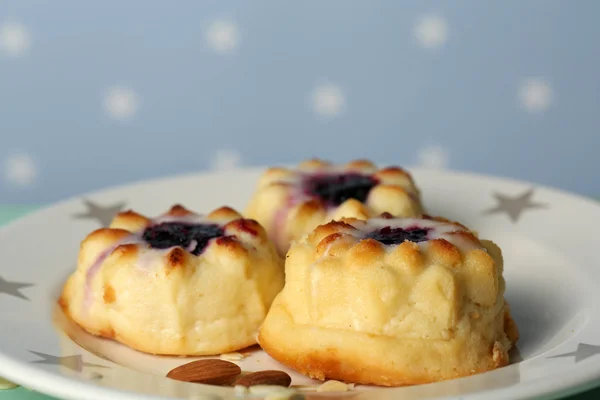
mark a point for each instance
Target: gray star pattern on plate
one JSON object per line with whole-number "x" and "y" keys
{"x": 514, "y": 206}
{"x": 583, "y": 351}
{"x": 13, "y": 288}
{"x": 102, "y": 214}
{"x": 74, "y": 362}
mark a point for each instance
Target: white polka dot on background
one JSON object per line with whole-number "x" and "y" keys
{"x": 535, "y": 95}
{"x": 222, "y": 36}
{"x": 328, "y": 100}
{"x": 20, "y": 170}
{"x": 433, "y": 157}
{"x": 15, "y": 39}
{"x": 121, "y": 103}
{"x": 225, "y": 159}
{"x": 431, "y": 31}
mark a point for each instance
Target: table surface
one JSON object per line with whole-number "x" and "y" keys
{"x": 8, "y": 213}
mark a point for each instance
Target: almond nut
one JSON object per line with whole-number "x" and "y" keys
{"x": 269, "y": 377}
{"x": 210, "y": 372}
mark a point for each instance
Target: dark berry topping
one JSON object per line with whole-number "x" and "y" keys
{"x": 389, "y": 235}
{"x": 192, "y": 237}
{"x": 335, "y": 189}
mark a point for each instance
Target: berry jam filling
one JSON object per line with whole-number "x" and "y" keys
{"x": 192, "y": 237}
{"x": 389, "y": 235}
{"x": 336, "y": 189}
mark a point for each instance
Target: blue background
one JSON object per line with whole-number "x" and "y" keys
{"x": 400, "y": 97}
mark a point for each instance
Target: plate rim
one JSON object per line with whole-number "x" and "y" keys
{"x": 105, "y": 190}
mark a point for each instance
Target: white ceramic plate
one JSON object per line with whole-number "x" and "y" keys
{"x": 551, "y": 268}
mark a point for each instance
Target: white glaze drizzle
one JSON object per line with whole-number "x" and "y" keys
{"x": 297, "y": 195}
{"x": 136, "y": 238}
{"x": 437, "y": 230}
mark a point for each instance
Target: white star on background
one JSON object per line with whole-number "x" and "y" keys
{"x": 225, "y": 159}
{"x": 20, "y": 169}
{"x": 535, "y": 95}
{"x": 121, "y": 103}
{"x": 433, "y": 157}
{"x": 328, "y": 100}
{"x": 222, "y": 36}
{"x": 15, "y": 39}
{"x": 431, "y": 31}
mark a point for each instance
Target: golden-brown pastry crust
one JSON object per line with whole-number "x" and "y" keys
{"x": 361, "y": 305}
{"x": 171, "y": 300}
{"x": 284, "y": 206}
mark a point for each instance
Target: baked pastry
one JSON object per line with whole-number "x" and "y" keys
{"x": 391, "y": 302}
{"x": 179, "y": 284}
{"x": 292, "y": 202}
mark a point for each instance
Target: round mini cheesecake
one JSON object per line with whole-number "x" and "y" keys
{"x": 391, "y": 302}
{"x": 292, "y": 202}
{"x": 179, "y": 284}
